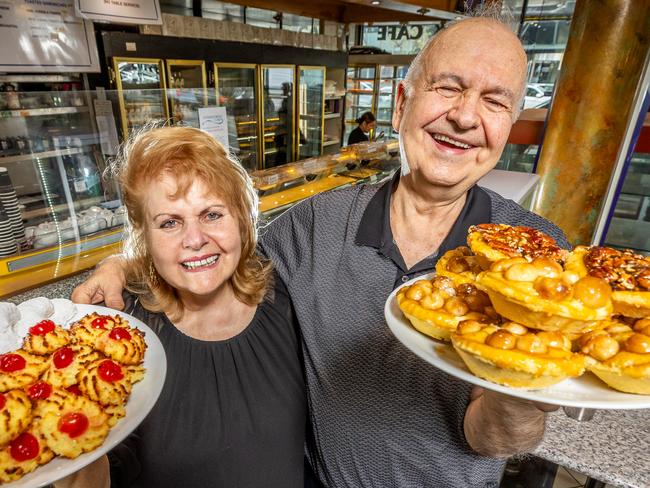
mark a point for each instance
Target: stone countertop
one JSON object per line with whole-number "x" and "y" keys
{"x": 611, "y": 447}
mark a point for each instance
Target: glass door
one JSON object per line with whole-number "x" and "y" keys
{"x": 360, "y": 95}
{"x": 236, "y": 87}
{"x": 277, "y": 113}
{"x": 309, "y": 139}
{"x": 187, "y": 90}
{"x": 389, "y": 79}
{"x": 141, "y": 91}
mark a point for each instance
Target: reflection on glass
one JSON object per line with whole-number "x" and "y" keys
{"x": 310, "y": 112}
{"x": 236, "y": 90}
{"x": 360, "y": 95}
{"x": 187, "y": 91}
{"x": 141, "y": 89}
{"x": 389, "y": 79}
{"x": 277, "y": 108}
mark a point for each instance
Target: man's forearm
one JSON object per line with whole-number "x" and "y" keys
{"x": 500, "y": 426}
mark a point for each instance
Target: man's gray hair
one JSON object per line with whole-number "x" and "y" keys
{"x": 491, "y": 11}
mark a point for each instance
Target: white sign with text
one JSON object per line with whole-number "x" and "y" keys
{"x": 45, "y": 36}
{"x": 214, "y": 121}
{"x": 120, "y": 11}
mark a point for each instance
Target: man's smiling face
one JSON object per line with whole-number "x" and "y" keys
{"x": 456, "y": 118}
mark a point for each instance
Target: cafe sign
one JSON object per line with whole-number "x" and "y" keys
{"x": 120, "y": 11}
{"x": 399, "y": 38}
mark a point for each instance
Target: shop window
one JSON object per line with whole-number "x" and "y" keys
{"x": 228, "y": 12}
{"x": 263, "y": 18}
{"x": 298, "y": 23}
{"x": 177, "y": 7}
{"x": 394, "y": 38}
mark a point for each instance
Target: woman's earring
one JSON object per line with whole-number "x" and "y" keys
{"x": 153, "y": 276}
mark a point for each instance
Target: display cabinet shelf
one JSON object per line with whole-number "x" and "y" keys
{"x": 33, "y": 112}
{"x": 40, "y": 155}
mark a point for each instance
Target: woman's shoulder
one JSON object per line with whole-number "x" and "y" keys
{"x": 133, "y": 306}
{"x": 276, "y": 308}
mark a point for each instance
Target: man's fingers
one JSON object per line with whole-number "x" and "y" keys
{"x": 85, "y": 293}
{"x": 546, "y": 407}
{"x": 113, "y": 297}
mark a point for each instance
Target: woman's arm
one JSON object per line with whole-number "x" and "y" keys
{"x": 500, "y": 426}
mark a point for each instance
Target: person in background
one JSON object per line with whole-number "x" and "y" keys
{"x": 379, "y": 415}
{"x": 232, "y": 411}
{"x": 366, "y": 124}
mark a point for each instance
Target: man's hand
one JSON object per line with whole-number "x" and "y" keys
{"x": 498, "y": 425}
{"x": 104, "y": 285}
{"x": 95, "y": 475}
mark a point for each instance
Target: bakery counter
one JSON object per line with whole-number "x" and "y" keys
{"x": 612, "y": 447}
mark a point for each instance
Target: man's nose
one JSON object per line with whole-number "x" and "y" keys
{"x": 193, "y": 235}
{"x": 465, "y": 111}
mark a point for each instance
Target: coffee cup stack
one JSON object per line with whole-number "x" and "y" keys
{"x": 9, "y": 202}
{"x": 8, "y": 244}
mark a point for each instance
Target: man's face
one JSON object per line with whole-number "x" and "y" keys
{"x": 456, "y": 121}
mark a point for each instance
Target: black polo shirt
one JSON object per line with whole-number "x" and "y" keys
{"x": 374, "y": 229}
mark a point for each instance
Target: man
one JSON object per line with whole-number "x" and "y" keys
{"x": 380, "y": 416}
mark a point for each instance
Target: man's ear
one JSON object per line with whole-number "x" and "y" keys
{"x": 399, "y": 106}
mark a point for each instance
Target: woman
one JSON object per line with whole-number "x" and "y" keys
{"x": 366, "y": 124}
{"x": 232, "y": 411}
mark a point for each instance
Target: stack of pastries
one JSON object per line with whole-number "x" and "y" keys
{"x": 523, "y": 313}
{"x": 63, "y": 390}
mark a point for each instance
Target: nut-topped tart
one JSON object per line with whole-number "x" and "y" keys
{"x": 460, "y": 264}
{"x": 435, "y": 307}
{"x": 516, "y": 356}
{"x": 495, "y": 242}
{"x": 626, "y": 272}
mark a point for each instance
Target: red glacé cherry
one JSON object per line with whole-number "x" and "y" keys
{"x": 12, "y": 362}
{"x": 100, "y": 322}
{"x": 119, "y": 333}
{"x": 74, "y": 424}
{"x": 24, "y": 447}
{"x": 63, "y": 357}
{"x": 39, "y": 390}
{"x": 110, "y": 371}
{"x": 74, "y": 389}
{"x": 42, "y": 328}
{"x": 3, "y": 401}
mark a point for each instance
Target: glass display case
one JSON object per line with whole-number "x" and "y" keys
{"x": 141, "y": 87}
{"x": 311, "y": 85}
{"x": 386, "y": 94}
{"x": 187, "y": 90}
{"x": 360, "y": 98}
{"x": 237, "y": 90}
{"x": 278, "y": 114}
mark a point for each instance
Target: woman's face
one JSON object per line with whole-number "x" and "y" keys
{"x": 368, "y": 126}
{"x": 194, "y": 241}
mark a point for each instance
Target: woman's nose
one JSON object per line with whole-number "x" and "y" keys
{"x": 193, "y": 236}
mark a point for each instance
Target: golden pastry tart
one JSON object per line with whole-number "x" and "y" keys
{"x": 620, "y": 356}
{"x": 542, "y": 295}
{"x": 123, "y": 344}
{"x": 515, "y": 356}
{"x": 627, "y": 273}
{"x": 108, "y": 382}
{"x": 45, "y": 337}
{"x": 15, "y": 415}
{"x": 460, "y": 265}
{"x": 72, "y": 425}
{"x": 501, "y": 241}
{"x": 23, "y": 455}
{"x": 66, "y": 363}
{"x": 19, "y": 368}
{"x": 88, "y": 329}
{"x": 435, "y": 307}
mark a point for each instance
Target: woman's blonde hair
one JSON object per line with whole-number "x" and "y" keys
{"x": 188, "y": 155}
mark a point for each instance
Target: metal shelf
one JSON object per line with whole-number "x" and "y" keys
{"x": 41, "y": 155}
{"x": 331, "y": 143}
{"x": 32, "y": 112}
{"x": 334, "y": 115}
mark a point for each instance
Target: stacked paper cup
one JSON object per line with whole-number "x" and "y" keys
{"x": 9, "y": 202}
{"x": 8, "y": 245}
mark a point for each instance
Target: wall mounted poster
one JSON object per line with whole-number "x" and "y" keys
{"x": 120, "y": 11}
{"x": 45, "y": 36}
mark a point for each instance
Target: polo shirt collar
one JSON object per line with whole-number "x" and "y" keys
{"x": 374, "y": 228}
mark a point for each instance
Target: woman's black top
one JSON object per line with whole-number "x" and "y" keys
{"x": 357, "y": 135}
{"x": 231, "y": 413}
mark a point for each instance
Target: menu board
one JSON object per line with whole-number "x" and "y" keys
{"x": 120, "y": 11}
{"x": 45, "y": 36}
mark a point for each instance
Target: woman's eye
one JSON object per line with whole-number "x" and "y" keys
{"x": 448, "y": 91}
{"x": 169, "y": 224}
{"x": 213, "y": 216}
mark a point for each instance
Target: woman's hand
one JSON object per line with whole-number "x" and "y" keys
{"x": 95, "y": 475}
{"x": 105, "y": 284}
{"x": 500, "y": 425}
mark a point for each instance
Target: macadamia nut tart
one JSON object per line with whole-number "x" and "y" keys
{"x": 515, "y": 356}
{"x": 620, "y": 355}
{"x": 435, "y": 307}
{"x": 542, "y": 295}
{"x": 460, "y": 265}
{"x": 627, "y": 273}
{"x": 500, "y": 241}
